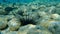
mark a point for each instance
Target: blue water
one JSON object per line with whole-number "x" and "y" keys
{"x": 27, "y": 1}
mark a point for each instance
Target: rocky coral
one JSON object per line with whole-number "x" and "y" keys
{"x": 14, "y": 24}
{"x": 38, "y": 30}
{"x": 30, "y": 18}
{"x": 3, "y": 22}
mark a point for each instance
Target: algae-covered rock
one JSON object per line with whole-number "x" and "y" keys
{"x": 55, "y": 17}
{"x": 14, "y": 24}
{"x": 54, "y": 27}
{"x": 26, "y": 28}
{"x": 5, "y": 9}
{"x": 42, "y": 7}
{"x": 8, "y": 17}
{"x": 2, "y": 12}
{"x": 38, "y": 30}
{"x": 3, "y": 22}
{"x": 10, "y": 32}
{"x": 51, "y": 10}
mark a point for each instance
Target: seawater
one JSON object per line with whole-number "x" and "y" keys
{"x": 27, "y": 1}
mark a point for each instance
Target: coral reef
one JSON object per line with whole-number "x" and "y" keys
{"x": 30, "y": 18}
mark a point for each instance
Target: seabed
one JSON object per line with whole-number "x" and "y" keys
{"x": 29, "y": 16}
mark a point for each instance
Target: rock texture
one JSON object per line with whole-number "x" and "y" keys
{"x": 30, "y": 18}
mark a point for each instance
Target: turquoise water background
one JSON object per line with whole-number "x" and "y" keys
{"x": 27, "y": 1}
